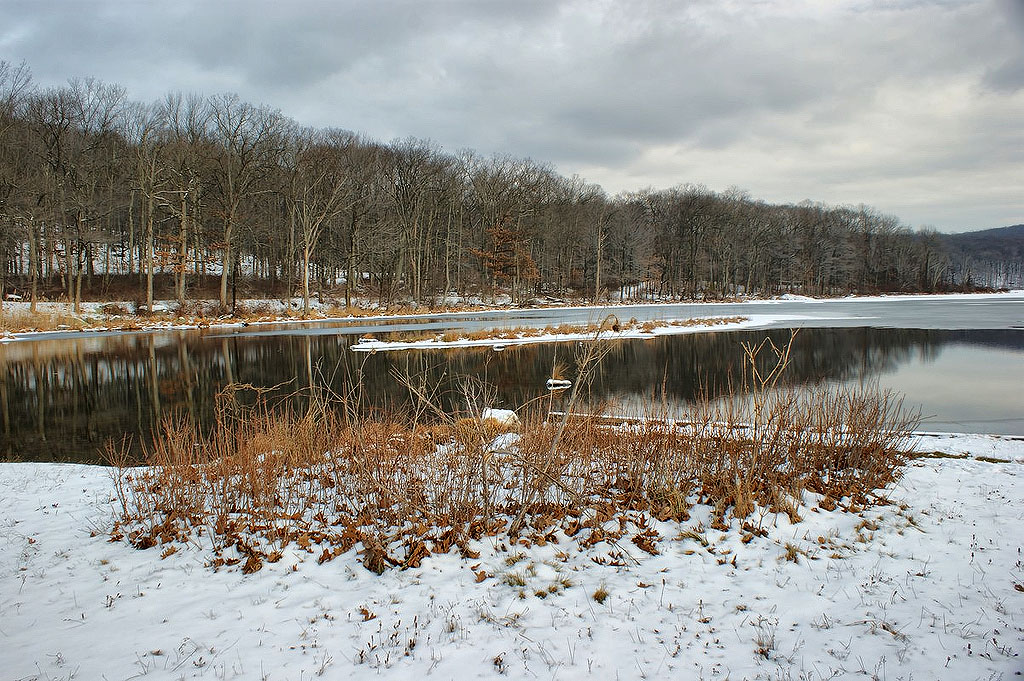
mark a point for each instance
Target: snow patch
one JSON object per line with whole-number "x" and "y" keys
{"x": 927, "y": 587}
{"x": 505, "y": 417}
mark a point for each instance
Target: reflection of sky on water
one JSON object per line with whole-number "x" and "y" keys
{"x": 983, "y": 386}
{"x": 962, "y": 381}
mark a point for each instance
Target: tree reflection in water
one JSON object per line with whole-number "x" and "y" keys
{"x": 63, "y": 399}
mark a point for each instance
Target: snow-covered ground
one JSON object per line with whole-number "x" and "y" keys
{"x": 927, "y": 587}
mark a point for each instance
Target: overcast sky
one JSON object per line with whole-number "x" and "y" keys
{"x": 915, "y": 107}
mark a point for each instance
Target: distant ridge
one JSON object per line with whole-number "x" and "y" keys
{"x": 992, "y": 258}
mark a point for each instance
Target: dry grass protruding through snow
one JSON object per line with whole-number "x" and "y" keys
{"x": 397, "y": 488}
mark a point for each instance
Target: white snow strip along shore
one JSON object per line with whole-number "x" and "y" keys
{"x": 499, "y": 343}
{"x": 927, "y": 587}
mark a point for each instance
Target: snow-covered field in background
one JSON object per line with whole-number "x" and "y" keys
{"x": 928, "y": 587}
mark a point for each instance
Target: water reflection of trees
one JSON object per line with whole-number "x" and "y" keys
{"x": 63, "y": 405}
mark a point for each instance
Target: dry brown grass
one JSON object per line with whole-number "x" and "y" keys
{"x": 117, "y": 316}
{"x": 20, "y": 321}
{"x": 399, "y": 488}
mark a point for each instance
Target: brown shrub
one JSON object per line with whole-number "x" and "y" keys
{"x": 328, "y": 481}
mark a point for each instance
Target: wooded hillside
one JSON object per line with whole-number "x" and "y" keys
{"x": 989, "y": 257}
{"x": 102, "y": 195}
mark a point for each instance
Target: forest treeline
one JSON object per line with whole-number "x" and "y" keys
{"x": 206, "y": 193}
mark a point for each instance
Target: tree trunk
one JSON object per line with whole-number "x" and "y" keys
{"x": 305, "y": 280}
{"x": 131, "y": 234}
{"x": 149, "y": 253}
{"x": 351, "y": 273}
{"x": 33, "y": 265}
{"x": 225, "y": 271}
{"x": 290, "y": 270}
{"x": 182, "y": 251}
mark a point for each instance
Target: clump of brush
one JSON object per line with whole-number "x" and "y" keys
{"x": 400, "y": 486}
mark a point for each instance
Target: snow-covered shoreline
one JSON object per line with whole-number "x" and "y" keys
{"x": 925, "y": 587}
{"x": 280, "y": 310}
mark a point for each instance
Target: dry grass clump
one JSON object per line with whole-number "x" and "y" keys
{"x": 19, "y": 321}
{"x": 840, "y": 445}
{"x": 111, "y": 316}
{"x": 707, "y": 321}
{"x": 115, "y": 309}
{"x": 398, "y": 489}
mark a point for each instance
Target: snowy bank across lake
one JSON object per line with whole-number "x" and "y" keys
{"x": 929, "y": 586}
